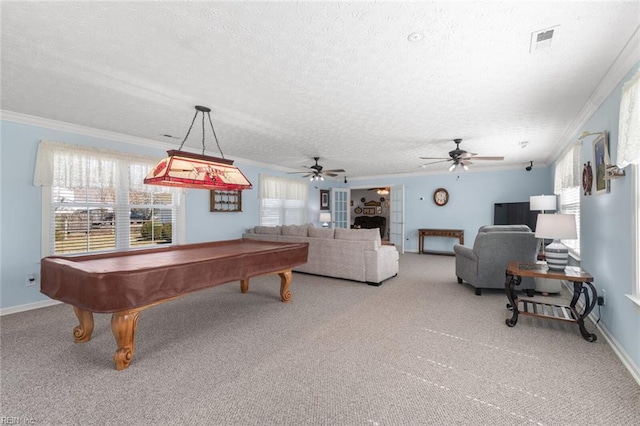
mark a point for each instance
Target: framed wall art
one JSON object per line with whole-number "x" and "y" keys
{"x": 324, "y": 199}
{"x": 600, "y": 162}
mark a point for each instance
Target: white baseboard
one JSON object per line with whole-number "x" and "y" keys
{"x": 28, "y": 307}
{"x": 613, "y": 343}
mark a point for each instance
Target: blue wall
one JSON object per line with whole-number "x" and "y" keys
{"x": 471, "y": 199}
{"x": 606, "y": 242}
{"x": 606, "y": 219}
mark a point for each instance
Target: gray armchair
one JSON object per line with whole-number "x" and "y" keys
{"x": 484, "y": 265}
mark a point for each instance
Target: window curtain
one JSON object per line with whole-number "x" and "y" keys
{"x": 629, "y": 126}
{"x": 567, "y": 173}
{"x": 73, "y": 166}
{"x": 280, "y": 188}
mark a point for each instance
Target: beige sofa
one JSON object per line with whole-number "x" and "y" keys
{"x": 352, "y": 254}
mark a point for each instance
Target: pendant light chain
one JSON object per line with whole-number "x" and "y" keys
{"x": 214, "y": 135}
{"x": 189, "y": 131}
{"x": 212, "y": 129}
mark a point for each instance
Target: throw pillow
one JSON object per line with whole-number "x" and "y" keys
{"x": 357, "y": 234}
{"x": 271, "y": 230}
{"x": 295, "y": 230}
{"x": 320, "y": 232}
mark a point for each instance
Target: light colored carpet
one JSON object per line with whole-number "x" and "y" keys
{"x": 418, "y": 350}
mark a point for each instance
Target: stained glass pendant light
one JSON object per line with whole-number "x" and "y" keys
{"x": 188, "y": 170}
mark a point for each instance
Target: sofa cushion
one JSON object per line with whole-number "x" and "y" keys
{"x": 320, "y": 232}
{"x": 270, "y": 230}
{"x": 358, "y": 235}
{"x": 295, "y": 230}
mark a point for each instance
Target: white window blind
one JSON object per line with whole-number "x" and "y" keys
{"x": 567, "y": 185}
{"x": 283, "y": 201}
{"x": 95, "y": 200}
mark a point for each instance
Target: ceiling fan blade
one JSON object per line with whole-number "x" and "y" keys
{"x": 467, "y": 155}
{"x": 436, "y": 162}
{"x": 434, "y": 158}
{"x": 330, "y": 174}
{"x": 292, "y": 173}
{"x": 334, "y": 171}
{"x": 489, "y": 158}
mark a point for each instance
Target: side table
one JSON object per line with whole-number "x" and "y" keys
{"x": 447, "y": 233}
{"x": 582, "y": 284}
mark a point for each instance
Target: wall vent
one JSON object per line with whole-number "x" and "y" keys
{"x": 542, "y": 39}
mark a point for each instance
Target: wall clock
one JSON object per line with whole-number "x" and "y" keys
{"x": 441, "y": 196}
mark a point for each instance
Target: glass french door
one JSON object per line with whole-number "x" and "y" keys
{"x": 340, "y": 207}
{"x": 396, "y": 230}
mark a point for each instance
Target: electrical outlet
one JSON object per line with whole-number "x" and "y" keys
{"x": 601, "y": 298}
{"x": 32, "y": 279}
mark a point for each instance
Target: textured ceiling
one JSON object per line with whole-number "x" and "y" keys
{"x": 340, "y": 80}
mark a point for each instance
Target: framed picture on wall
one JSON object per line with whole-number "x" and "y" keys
{"x": 600, "y": 162}
{"x": 324, "y": 199}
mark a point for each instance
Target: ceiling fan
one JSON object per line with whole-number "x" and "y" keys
{"x": 460, "y": 157}
{"x": 316, "y": 172}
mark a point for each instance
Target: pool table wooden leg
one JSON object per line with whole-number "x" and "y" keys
{"x": 82, "y": 332}
{"x": 285, "y": 281}
{"x": 244, "y": 285}
{"x": 123, "y": 326}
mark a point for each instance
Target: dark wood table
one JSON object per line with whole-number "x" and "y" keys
{"x": 582, "y": 285}
{"x": 431, "y": 232}
{"x": 125, "y": 283}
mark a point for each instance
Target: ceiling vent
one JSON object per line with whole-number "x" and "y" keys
{"x": 541, "y": 40}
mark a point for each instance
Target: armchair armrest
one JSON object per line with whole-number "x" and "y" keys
{"x": 465, "y": 252}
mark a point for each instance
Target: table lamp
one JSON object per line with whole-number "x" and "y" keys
{"x": 556, "y": 227}
{"x": 325, "y": 218}
{"x": 542, "y": 202}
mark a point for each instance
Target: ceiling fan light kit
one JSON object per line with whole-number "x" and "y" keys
{"x": 317, "y": 172}
{"x": 460, "y": 157}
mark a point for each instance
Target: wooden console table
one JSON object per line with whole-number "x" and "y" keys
{"x": 582, "y": 284}
{"x": 448, "y": 233}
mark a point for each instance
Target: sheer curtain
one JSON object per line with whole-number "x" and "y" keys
{"x": 283, "y": 201}
{"x": 629, "y": 125}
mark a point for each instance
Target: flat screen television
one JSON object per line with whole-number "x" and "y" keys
{"x": 514, "y": 214}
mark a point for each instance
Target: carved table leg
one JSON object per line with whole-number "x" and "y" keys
{"x": 509, "y": 285}
{"x": 82, "y": 333}
{"x": 589, "y": 304}
{"x": 285, "y": 281}
{"x": 123, "y": 326}
{"x": 244, "y": 285}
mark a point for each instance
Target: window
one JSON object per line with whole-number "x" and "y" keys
{"x": 629, "y": 153}
{"x": 283, "y": 201}
{"x": 567, "y": 185}
{"x": 94, "y": 200}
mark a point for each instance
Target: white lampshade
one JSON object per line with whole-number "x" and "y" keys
{"x": 325, "y": 218}
{"x": 542, "y": 202}
{"x": 556, "y": 227}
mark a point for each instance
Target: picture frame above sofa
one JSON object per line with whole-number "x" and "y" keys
{"x": 324, "y": 199}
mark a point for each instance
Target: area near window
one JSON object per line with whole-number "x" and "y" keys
{"x": 567, "y": 185}
{"x": 283, "y": 201}
{"x": 94, "y": 200}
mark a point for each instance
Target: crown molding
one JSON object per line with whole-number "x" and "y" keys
{"x": 62, "y": 126}
{"x": 626, "y": 60}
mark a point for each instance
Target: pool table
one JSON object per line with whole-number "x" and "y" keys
{"x": 124, "y": 283}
